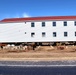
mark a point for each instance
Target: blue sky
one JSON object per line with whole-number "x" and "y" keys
{"x": 33, "y": 8}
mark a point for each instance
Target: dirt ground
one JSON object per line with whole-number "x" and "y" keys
{"x": 43, "y": 53}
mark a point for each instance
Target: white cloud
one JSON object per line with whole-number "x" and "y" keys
{"x": 17, "y": 15}
{"x": 25, "y": 15}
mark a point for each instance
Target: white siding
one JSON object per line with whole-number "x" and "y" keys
{"x": 15, "y": 32}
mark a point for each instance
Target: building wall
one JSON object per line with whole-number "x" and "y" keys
{"x": 21, "y": 32}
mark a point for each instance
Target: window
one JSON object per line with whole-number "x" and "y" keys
{"x": 32, "y": 34}
{"x": 43, "y": 34}
{"x": 65, "y": 34}
{"x": 75, "y": 23}
{"x": 54, "y": 34}
{"x": 43, "y": 24}
{"x": 32, "y": 24}
{"x": 75, "y": 33}
{"x": 54, "y": 23}
{"x": 65, "y": 23}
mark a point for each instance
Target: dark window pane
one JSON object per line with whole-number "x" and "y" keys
{"x": 75, "y": 33}
{"x": 65, "y": 23}
{"x": 65, "y": 34}
{"x": 75, "y": 23}
{"x": 54, "y": 23}
{"x": 43, "y": 24}
{"x": 43, "y": 34}
{"x": 32, "y": 34}
{"x": 32, "y": 25}
{"x": 54, "y": 34}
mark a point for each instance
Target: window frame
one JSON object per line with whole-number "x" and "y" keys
{"x": 65, "y": 34}
{"x": 54, "y": 24}
{"x": 32, "y": 34}
{"x": 32, "y": 24}
{"x": 43, "y": 34}
{"x": 43, "y": 24}
{"x": 54, "y": 34}
{"x": 75, "y": 33}
{"x": 74, "y": 23}
{"x": 65, "y": 23}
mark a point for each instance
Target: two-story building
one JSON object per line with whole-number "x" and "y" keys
{"x": 38, "y": 29}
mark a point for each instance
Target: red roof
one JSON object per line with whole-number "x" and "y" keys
{"x": 39, "y": 18}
